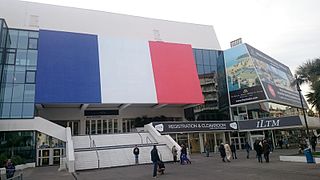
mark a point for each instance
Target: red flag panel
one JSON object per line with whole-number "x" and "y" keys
{"x": 175, "y": 73}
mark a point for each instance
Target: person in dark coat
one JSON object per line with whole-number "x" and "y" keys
{"x": 266, "y": 150}
{"x": 155, "y": 159}
{"x": 10, "y": 169}
{"x": 248, "y": 148}
{"x": 136, "y": 154}
{"x": 222, "y": 152}
{"x": 258, "y": 149}
{"x": 183, "y": 155}
{"x": 313, "y": 143}
{"x": 233, "y": 150}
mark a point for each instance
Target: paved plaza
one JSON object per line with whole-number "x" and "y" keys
{"x": 202, "y": 168}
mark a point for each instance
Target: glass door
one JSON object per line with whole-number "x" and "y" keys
{"x": 103, "y": 126}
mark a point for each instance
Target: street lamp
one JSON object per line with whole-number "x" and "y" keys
{"x": 304, "y": 113}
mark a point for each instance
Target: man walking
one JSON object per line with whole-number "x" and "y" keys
{"x": 266, "y": 150}
{"x": 248, "y": 148}
{"x": 233, "y": 150}
{"x": 155, "y": 159}
{"x": 136, "y": 154}
{"x": 222, "y": 152}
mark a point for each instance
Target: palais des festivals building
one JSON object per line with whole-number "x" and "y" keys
{"x": 106, "y": 73}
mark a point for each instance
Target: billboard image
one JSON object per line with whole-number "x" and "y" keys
{"x": 276, "y": 78}
{"x": 242, "y": 79}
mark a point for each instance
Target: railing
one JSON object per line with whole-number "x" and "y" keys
{"x": 141, "y": 139}
{"x": 17, "y": 177}
{"x": 147, "y": 138}
{"x": 95, "y": 148}
{"x": 90, "y": 138}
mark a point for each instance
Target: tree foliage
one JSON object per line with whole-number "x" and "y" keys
{"x": 309, "y": 72}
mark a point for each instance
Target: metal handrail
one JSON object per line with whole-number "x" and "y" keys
{"x": 147, "y": 138}
{"x": 141, "y": 139}
{"x": 97, "y": 154}
{"x": 90, "y": 138}
{"x": 17, "y": 177}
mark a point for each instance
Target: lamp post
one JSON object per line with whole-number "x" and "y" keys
{"x": 304, "y": 113}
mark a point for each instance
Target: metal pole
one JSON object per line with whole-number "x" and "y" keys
{"x": 304, "y": 113}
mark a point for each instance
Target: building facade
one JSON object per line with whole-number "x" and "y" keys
{"x": 106, "y": 73}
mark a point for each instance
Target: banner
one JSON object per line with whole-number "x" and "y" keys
{"x": 276, "y": 79}
{"x": 195, "y": 126}
{"x": 242, "y": 79}
{"x": 270, "y": 123}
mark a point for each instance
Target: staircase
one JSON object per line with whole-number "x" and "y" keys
{"x": 111, "y": 150}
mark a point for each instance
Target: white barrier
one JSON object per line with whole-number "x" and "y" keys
{"x": 162, "y": 139}
{"x": 69, "y": 151}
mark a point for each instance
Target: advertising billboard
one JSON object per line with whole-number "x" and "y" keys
{"x": 276, "y": 78}
{"x": 242, "y": 79}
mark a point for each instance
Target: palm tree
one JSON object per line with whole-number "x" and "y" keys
{"x": 309, "y": 72}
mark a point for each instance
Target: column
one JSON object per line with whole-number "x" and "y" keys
{"x": 201, "y": 142}
{"x": 215, "y": 142}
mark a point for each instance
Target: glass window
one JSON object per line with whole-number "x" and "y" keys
{"x": 200, "y": 69}
{"x": 32, "y": 57}
{"x": 33, "y": 43}
{"x": 33, "y": 34}
{"x": 207, "y": 69}
{"x": 29, "y": 93}
{"x": 213, "y": 68}
{"x": 28, "y": 110}
{"x": 17, "y": 95}
{"x": 32, "y": 68}
{"x": 23, "y": 40}
{"x": 30, "y": 77}
{"x": 8, "y": 74}
{"x": 19, "y": 75}
{"x": 206, "y": 57}
{"x": 11, "y": 58}
{"x": 5, "y": 110}
{"x": 13, "y": 38}
{"x": 21, "y": 58}
{"x": 198, "y": 55}
{"x": 7, "y": 92}
{"x": 213, "y": 58}
{"x": 16, "y": 110}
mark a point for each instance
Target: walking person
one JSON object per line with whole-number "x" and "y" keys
{"x": 233, "y": 150}
{"x": 280, "y": 143}
{"x": 266, "y": 150}
{"x": 313, "y": 143}
{"x": 10, "y": 169}
{"x": 258, "y": 149}
{"x": 174, "y": 153}
{"x": 228, "y": 152}
{"x": 184, "y": 155}
{"x": 207, "y": 148}
{"x": 155, "y": 159}
{"x": 248, "y": 148}
{"x": 136, "y": 154}
{"x": 222, "y": 152}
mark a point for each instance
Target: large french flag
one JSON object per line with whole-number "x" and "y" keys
{"x": 84, "y": 68}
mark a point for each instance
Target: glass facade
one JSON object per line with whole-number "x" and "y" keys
{"x": 18, "y": 73}
{"x": 206, "y": 61}
{"x": 19, "y": 146}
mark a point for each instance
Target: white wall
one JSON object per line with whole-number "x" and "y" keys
{"x": 28, "y": 15}
{"x": 36, "y": 124}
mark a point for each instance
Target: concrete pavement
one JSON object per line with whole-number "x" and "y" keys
{"x": 202, "y": 168}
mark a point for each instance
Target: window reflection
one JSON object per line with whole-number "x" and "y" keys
{"x": 18, "y": 73}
